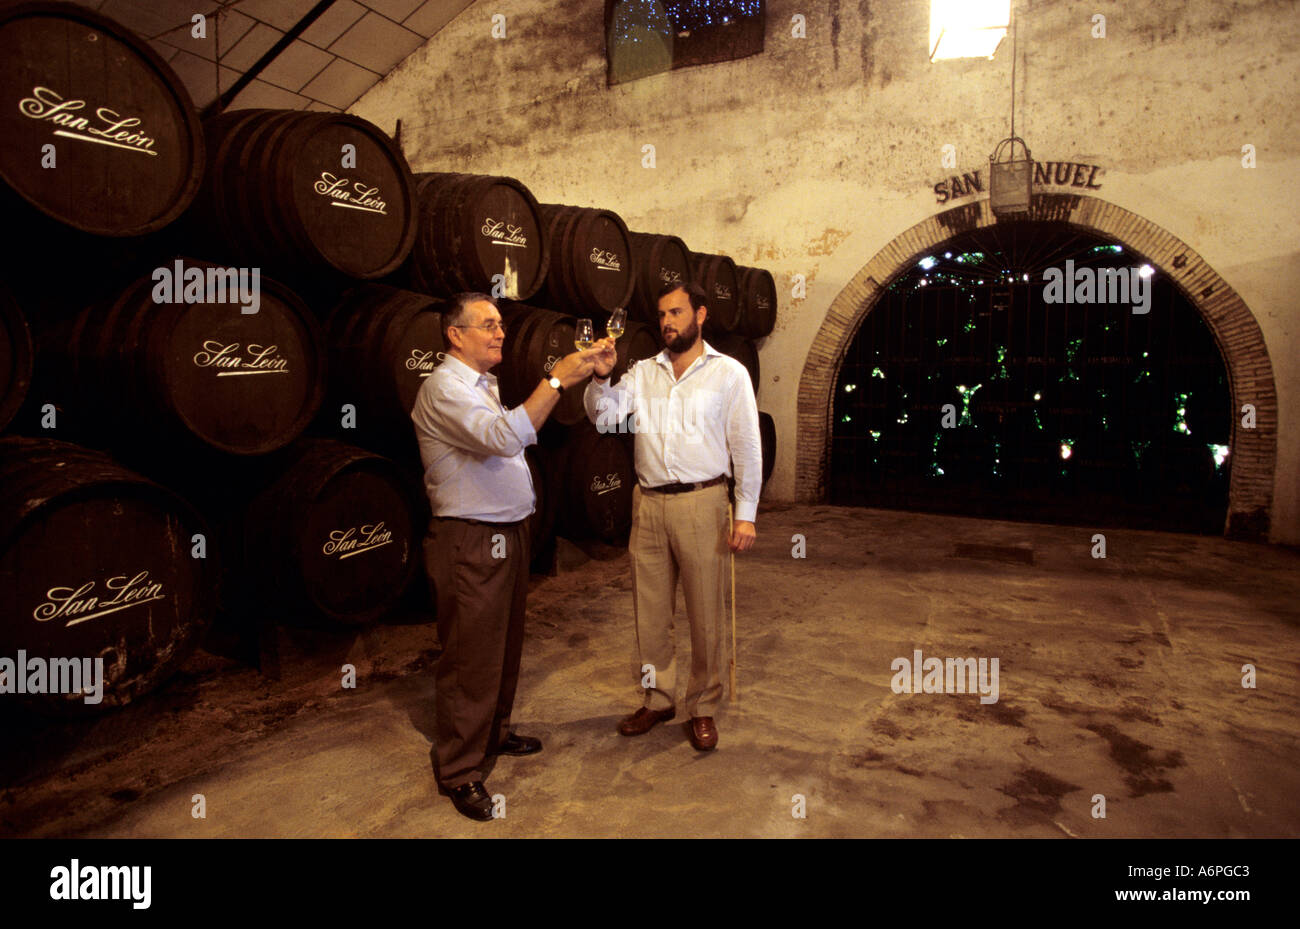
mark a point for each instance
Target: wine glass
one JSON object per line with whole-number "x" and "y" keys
{"x": 584, "y": 338}
{"x": 617, "y": 320}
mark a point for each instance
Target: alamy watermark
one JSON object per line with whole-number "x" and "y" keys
{"x": 179, "y": 284}
{"x": 103, "y": 882}
{"x": 950, "y": 676}
{"x": 654, "y": 415}
{"x": 36, "y": 675}
{"x": 1099, "y": 285}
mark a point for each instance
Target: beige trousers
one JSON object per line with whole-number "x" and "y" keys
{"x": 680, "y": 536}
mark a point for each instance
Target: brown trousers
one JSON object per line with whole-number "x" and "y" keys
{"x": 680, "y": 536}
{"x": 481, "y": 601}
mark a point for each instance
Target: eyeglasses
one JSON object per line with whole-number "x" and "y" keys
{"x": 489, "y": 328}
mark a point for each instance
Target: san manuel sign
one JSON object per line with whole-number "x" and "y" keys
{"x": 1046, "y": 174}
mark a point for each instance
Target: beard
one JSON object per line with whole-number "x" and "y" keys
{"x": 683, "y": 341}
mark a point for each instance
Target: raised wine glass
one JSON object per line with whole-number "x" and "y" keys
{"x": 617, "y": 320}
{"x": 584, "y": 338}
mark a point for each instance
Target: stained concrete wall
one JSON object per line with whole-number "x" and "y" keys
{"x": 811, "y": 157}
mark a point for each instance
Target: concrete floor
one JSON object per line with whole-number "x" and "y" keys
{"x": 1119, "y": 677}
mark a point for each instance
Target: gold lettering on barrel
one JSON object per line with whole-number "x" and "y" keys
{"x": 610, "y": 482}
{"x": 605, "y": 260}
{"x": 670, "y": 276}
{"x": 113, "y": 128}
{"x": 357, "y": 541}
{"x": 422, "y": 362}
{"x": 502, "y": 233}
{"x": 255, "y": 359}
{"x": 360, "y": 197}
{"x": 77, "y": 605}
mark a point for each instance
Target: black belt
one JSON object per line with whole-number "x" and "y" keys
{"x": 479, "y": 522}
{"x": 684, "y": 488}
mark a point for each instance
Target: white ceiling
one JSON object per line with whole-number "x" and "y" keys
{"x": 337, "y": 59}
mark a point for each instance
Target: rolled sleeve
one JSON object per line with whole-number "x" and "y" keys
{"x": 745, "y": 447}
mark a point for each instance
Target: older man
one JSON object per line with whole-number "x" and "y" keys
{"x": 476, "y": 549}
{"x": 695, "y": 417}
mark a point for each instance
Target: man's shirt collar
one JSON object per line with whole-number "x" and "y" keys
{"x": 667, "y": 362}
{"x": 463, "y": 371}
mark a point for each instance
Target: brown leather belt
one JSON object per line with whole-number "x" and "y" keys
{"x": 684, "y": 488}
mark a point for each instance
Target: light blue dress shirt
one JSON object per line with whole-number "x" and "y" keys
{"x": 472, "y": 447}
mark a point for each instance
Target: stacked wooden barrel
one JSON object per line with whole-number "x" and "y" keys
{"x": 595, "y": 476}
{"x": 717, "y": 275}
{"x": 99, "y": 564}
{"x": 383, "y": 344}
{"x": 591, "y": 270}
{"x": 15, "y": 358}
{"x": 659, "y": 260}
{"x": 148, "y": 372}
{"x": 757, "y": 303}
{"x": 307, "y": 192}
{"x": 337, "y": 532}
{"x": 767, "y": 443}
{"x": 99, "y": 132}
{"x": 203, "y": 380}
{"x": 535, "y": 340}
{"x": 478, "y": 233}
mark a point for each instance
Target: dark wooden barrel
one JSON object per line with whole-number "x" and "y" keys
{"x": 97, "y": 562}
{"x": 742, "y": 350}
{"x": 595, "y": 477}
{"x": 639, "y": 342}
{"x": 383, "y": 343}
{"x": 717, "y": 275}
{"x": 336, "y": 537}
{"x": 473, "y": 227}
{"x": 140, "y": 372}
{"x": 757, "y": 303}
{"x": 658, "y": 260}
{"x": 591, "y": 268}
{"x": 767, "y": 443}
{"x": 127, "y": 144}
{"x": 535, "y": 340}
{"x": 15, "y": 358}
{"x": 279, "y": 192}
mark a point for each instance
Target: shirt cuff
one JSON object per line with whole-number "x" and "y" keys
{"x": 746, "y": 511}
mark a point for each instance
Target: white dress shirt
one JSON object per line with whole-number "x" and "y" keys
{"x": 689, "y": 429}
{"x": 472, "y": 447}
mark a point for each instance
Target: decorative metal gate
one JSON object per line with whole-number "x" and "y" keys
{"x": 977, "y": 385}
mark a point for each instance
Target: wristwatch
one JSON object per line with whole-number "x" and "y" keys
{"x": 600, "y": 377}
{"x": 555, "y": 382}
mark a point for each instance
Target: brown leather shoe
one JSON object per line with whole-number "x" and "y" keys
{"x": 704, "y": 735}
{"x": 645, "y": 719}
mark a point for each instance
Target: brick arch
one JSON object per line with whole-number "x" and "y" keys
{"x": 1250, "y": 373}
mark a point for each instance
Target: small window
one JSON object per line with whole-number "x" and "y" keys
{"x": 967, "y": 28}
{"x": 645, "y": 37}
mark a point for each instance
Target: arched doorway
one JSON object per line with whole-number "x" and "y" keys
{"x": 1249, "y": 371}
{"x": 968, "y": 389}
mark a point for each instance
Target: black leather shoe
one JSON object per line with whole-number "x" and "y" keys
{"x": 519, "y": 745}
{"x": 472, "y": 800}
